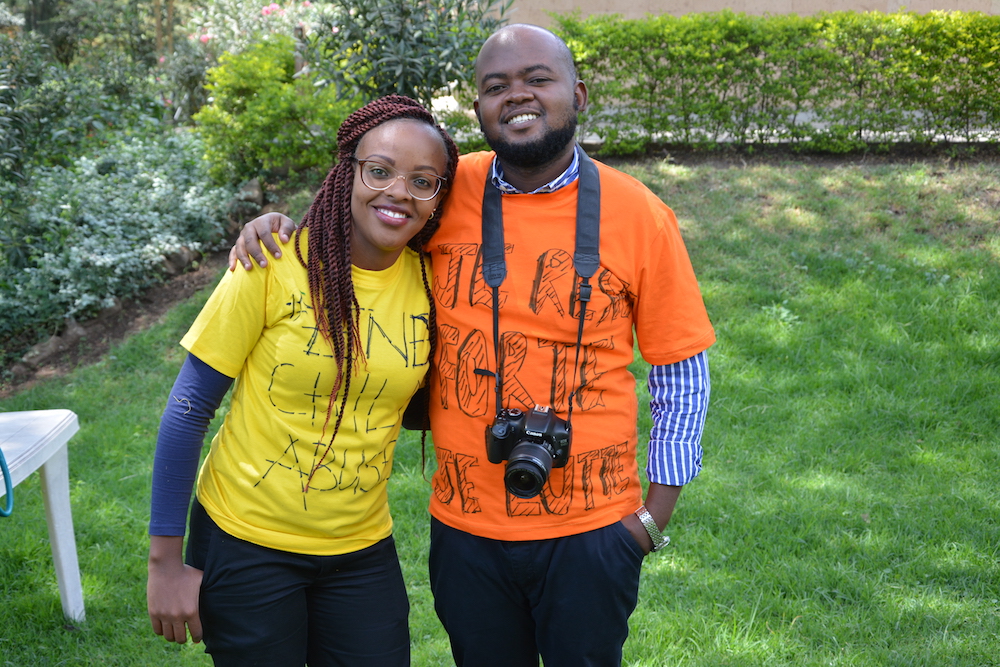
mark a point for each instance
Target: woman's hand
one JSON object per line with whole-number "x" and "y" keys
{"x": 256, "y": 232}
{"x": 172, "y": 591}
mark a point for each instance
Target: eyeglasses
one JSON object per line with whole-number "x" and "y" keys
{"x": 379, "y": 176}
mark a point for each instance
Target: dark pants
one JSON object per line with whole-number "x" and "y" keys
{"x": 261, "y": 606}
{"x": 566, "y": 599}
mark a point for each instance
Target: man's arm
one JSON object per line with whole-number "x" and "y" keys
{"x": 256, "y": 232}
{"x": 660, "y": 501}
{"x": 678, "y": 404}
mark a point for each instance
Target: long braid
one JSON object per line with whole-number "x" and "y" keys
{"x": 330, "y": 224}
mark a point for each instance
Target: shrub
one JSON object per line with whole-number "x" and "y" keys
{"x": 215, "y": 27}
{"x": 50, "y": 113}
{"x": 264, "y": 119}
{"x": 99, "y": 229}
{"x": 22, "y": 69}
{"x": 371, "y": 48}
{"x": 233, "y": 26}
{"x": 8, "y": 21}
{"x": 182, "y": 79}
{"x": 836, "y": 81}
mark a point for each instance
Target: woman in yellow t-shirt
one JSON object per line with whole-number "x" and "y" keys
{"x": 290, "y": 557}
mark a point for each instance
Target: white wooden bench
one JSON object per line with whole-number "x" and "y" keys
{"x": 36, "y": 440}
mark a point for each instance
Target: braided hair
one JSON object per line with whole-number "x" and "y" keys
{"x": 330, "y": 224}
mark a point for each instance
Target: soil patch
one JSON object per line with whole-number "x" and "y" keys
{"x": 135, "y": 315}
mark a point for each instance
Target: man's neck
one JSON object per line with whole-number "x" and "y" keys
{"x": 531, "y": 178}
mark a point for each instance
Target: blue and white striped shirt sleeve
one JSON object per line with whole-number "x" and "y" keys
{"x": 679, "y": 400}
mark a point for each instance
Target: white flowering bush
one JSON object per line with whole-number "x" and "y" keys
{"x": 100, "y": 229}
{"x": 9, "y": 20}
{"x": 233, "y": 25}
{"x": 219, "y": 27}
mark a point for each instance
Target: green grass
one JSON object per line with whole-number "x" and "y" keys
{"x": 849, "y": 508}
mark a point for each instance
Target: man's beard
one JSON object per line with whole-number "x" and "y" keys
{"x": 535, "y": 153}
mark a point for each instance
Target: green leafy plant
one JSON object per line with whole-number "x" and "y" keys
{"x": 233, "y": 26}
{"x": 50, "y": 114}
{"x": 217, "y": 27}
{"x": 836, "y": 82}
{"x": 264, "y": 118}
{"x": 371, "y": 48}
{"x": 9, "y": 22}
{"x": 99, "y": 230}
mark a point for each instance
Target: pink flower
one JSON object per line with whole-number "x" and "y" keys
{"x": 163, "y": 59}
{"x": 307, "y": 4}
{"x": 204, "y": 38}
{"x": 265, "y": 11}
{"x": 335, "y": 29}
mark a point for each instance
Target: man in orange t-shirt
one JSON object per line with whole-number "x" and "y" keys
{"x": 556, "y": 574}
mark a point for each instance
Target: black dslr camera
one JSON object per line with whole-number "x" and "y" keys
{"x": 532, "y": 444}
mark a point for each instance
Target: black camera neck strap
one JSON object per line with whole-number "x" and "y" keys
{"x": 586, "y": 258}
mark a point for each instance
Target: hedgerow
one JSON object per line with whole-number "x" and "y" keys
{"x": 834, "y": 82}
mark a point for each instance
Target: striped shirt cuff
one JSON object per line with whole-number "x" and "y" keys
{"x": 679, "y": 400}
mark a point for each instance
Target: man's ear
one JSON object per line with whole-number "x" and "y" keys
{"x": 580, "y": 93}
{"x": 475, "y": 107}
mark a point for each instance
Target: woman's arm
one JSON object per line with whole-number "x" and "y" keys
{"x": 172, "y": 587}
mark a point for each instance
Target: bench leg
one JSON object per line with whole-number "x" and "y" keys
{"x": 59, "y": 516}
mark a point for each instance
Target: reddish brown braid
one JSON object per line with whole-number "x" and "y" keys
{"x": 329, "y": 221}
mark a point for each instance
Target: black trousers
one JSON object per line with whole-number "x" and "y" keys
{"x": 273, "y": 608}
{"x": 566, "y": 599}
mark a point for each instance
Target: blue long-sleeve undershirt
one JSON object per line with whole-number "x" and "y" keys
{"x": 196, "y": 395}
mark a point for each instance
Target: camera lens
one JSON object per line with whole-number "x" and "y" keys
{"x": 527, "y": 470}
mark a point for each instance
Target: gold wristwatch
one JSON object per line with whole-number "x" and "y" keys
{"x": 659, "y": 539}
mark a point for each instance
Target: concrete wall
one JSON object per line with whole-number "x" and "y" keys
{"x": 534, "y": 11}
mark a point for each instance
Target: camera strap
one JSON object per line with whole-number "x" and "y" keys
{"x": 586, "y": 259}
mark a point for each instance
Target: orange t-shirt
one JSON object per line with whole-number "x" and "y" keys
{"x": 645, "y": 281}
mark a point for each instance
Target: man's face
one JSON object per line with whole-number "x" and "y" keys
{"x": 529, "y": 97}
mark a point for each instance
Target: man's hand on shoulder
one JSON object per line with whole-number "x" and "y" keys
{"x": 258, "y": 232}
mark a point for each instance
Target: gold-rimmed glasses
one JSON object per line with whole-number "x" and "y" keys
{"x": 380, "y": 176}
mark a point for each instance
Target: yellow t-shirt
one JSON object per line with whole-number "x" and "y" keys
{"x": 645, "y": 290}
{"x": 258, "y": 326}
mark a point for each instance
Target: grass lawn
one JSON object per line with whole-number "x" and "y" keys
{"x": 849, "y": 509}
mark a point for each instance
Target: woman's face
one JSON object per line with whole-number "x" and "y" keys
{"x": 385, "y": 220}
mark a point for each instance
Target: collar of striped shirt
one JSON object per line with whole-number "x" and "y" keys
{"x": 571, "y": 174}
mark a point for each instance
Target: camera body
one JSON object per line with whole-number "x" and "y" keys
{"x": 532, "y": 444}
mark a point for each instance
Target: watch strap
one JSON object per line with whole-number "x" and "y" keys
{"x": 659, "y": 539}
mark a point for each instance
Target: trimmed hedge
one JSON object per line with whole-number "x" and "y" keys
{"x": 835, "y": 82}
